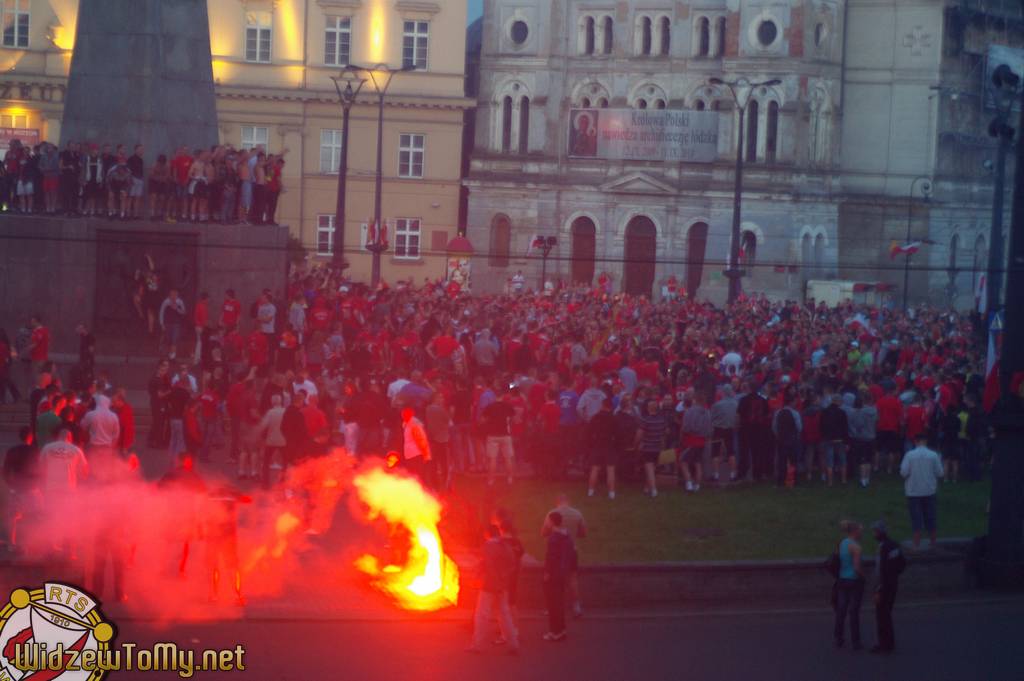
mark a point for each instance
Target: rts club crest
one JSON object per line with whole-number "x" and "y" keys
{"x": 57, "y": 619}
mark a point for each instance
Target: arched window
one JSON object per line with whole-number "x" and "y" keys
{"x": 641, "y": 103}
{"x": 602, "y": 103}
{"x": 753, "y": 113}
{"x": 524, "y": 125}
{"x": 609, "y": 34}
{"x": 659, "y": 104}
{"x": 506, "y": 124}
{"x": 748, "y": 248}
{"x": 980, "y": 260}
{"x": 585, "y": 103}
{"x": 721, "y": 31}
{"x": 703, "y": 37}
{"x": 806, "y": 254}
{"x": 666, "y": 34}
{"x": 646, "y": 36}
{"x": 501, "y": 241}
{"x": 588, "y": 38}
{"x": 771, "y": 139}
{"x": 699, "y": 105}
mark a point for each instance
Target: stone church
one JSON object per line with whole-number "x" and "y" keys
{"x": 873, "y": 129}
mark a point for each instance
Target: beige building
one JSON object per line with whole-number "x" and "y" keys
{"x": 272, "y": 63}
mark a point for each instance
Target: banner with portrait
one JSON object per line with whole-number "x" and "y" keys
{"x": 644, "y": 134}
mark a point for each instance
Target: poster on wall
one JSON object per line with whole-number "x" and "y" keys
{"x": 644, "y": 134}
{"x": 459, "y": 270}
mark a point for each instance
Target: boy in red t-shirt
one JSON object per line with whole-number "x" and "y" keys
{"x": 180, "y": 166}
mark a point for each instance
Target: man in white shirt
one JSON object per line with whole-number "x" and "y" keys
{"x": 103, "y": 426}
{"x": 62, "y": 464}
{"x": 921, "y": 470}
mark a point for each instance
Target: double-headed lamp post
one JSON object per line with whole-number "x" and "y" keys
{"x": 737, "y": 87}
{"x": 926, "y": 193}
{"x": 347, "y": 96}
{"x": 380, "y": 75}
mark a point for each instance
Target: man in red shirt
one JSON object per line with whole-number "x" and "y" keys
{"x": 39, "y": 344}
{"x": 916, "y": 419}
{"x": 890, "y": 418}
{"x": 257, "y": 349}
{"x": 181, "y": 164}
{"x": 316, "y": 425}
{"x": 201, "y": 319}
{"x": 230, "y": 311}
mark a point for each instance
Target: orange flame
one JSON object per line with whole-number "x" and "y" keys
{"x": 429, "y": 579}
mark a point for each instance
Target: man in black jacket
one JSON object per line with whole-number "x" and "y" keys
{"x": 835, "y": 430}
{"x": 558, "y": 562}
{"x": 888, "y": 567}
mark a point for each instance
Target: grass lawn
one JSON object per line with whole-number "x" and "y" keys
{"x": 748, "y": 522}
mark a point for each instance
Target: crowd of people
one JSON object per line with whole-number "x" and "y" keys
{"x": 220, "y": 184}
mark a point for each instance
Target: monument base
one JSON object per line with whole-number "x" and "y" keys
{"x": 111, "y": 274}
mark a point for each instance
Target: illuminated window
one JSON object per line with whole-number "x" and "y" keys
{"x": 415, "y": 40}
{"x": 338, "y": 41}
{"x": 254, "y": 136}
{"x": 324, "y": 234}
{"x": 13, "y": 121}
{"x": 410, "y": 155}
{"x": 330, "y": 151}
{"x": 14, "y": 15}
{"x": 407, "y": 238}
{"x": 258, "y": 36}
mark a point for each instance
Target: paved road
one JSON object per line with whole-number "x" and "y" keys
{"x": 960, "y": 641}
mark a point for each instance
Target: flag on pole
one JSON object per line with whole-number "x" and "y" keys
{"x": 904, "y": 249}
{"x": 981, "y": 294}
{"x": 995, "y": 338}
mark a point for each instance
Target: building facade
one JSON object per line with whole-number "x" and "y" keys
{"x": 272, "y": 64}
{"x": 831, "y": 152}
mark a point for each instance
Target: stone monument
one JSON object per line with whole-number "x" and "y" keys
{"x": 142, "y": 73}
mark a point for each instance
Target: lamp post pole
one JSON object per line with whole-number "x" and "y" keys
{"x": 347, "y": 97}
{"x": 1006, "y": 84}
{"x": 926, "y": 192}
{"x": 733, "y": 273}
{"x": 380, "y": 75}
{"x": 546, "y": 247}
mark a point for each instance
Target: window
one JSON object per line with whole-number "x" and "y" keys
{"x": 254, "y": 136}
{"x": 13, "y": 121}
{"x": 771, "y": 138}
{"x": 588, "y": 36}
{"x": 524, "y": 125}
{"x": 338, "y": 41}
{"x": 641, "y": 103}
{"x": 324, "y": 234}
{"x": 666, "y": 35}
{"x": 699, "y": 105}
{"x": 330, "y": 151}
{"x": 602, "y": 103}
{"x": 767, "y": 32}
{"x": 704, "y": 37}
{"x": 659, "y": 104}
{"x": 752, "y": 115}
{"x": 519, "y": 32}
{"x": 645, "y": 36}
{"x": 506, "y": 125}
{"x": 820, "y": 33}
{"x": 748, "y": 248}
{"x": 415, "y": 38}
{"x": 258, "y": 36}
{"x": 14, "y": 14}
{"x": 407, "y": 238}
{"x": 585, "y": 103}
{"x": 501, "y": 241}
{"x": 608, "y": 34}
{"x": 410, "y": 155}
{"x": 721, "y": 31}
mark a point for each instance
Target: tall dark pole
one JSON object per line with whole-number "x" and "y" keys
{"x": 733, "y": 271}
{"x": 347, "y": 97}
{"x": 996, "y": 259}
{"x": 378, "y": 188}
{"x": 910, "y": 218}
{"x": 1003, "y": 564}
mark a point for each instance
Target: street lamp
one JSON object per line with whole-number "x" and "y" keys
{"x": 546, "y": 245}
{"x": 380, "y": 75}
{"x": 734, "y": 273}
{"x": 926, "y": 192}
{"x": 1006, "y": 84}
{"x": 347, "y": 97}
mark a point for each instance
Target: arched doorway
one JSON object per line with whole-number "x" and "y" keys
{"x": 696, "y": 250}
{"x": 584, "y": 245}
{"x": 640, "y": 254}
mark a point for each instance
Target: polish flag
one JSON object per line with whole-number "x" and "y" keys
{"x": 995, "y": 338}
{"x": 904, "y": 249}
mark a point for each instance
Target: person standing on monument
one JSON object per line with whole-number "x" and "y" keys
{"x": 181, "y": 164}
{"x": 70, "y": 178}
{"x": 94, "y": 174}
{"x": 49, "y": 168}
{"x": 244, "y": 172}
{"x": 137, "y": 167}
{"x": 172, "y": 315}
{"x": 161, "y": 189}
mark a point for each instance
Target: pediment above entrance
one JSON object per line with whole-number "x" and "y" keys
{"x": 637, "y": 183}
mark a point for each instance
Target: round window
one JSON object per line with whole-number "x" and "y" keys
{"x": 767, "y": 32}
{"x": 520, "y": 32}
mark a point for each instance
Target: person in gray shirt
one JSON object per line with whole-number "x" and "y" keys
{"x": 862, "y": 422}
{"x": 723, "y": 436}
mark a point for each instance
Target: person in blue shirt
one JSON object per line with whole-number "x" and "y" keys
{"x": 568, "y": 425}
{"x": 850, "y": 585}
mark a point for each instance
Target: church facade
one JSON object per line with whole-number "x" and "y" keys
{"x": 835, "y": 144}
